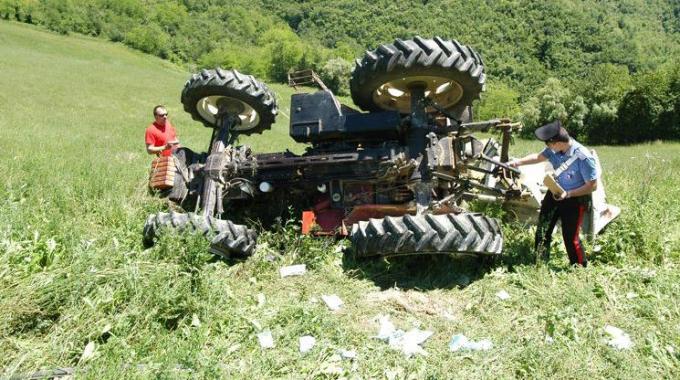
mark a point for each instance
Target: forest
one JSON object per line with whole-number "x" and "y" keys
{"x": 610, "y": 70}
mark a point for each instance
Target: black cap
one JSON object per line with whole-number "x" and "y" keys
{"x": 549, "y": 131}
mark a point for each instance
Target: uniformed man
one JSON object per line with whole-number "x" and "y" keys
{"x": 576, "y": 173}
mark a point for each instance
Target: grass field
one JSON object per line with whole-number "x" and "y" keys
{"x": 78, "y": 290}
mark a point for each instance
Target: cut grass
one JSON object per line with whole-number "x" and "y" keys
{"x": 73, "y": 270}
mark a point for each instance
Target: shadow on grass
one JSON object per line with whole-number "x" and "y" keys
{"x": 425, "y": 272}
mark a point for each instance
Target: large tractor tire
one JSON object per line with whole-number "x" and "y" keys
{"x": 227, "y": 239}
{"x": 209, "y": 91}
{"x": 453, "y": 75}
{"x": 466, "y": 233}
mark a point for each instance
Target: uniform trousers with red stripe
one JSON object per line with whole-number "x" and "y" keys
{"x": 570, "y": 212}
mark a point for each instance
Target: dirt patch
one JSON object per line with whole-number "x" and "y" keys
{"x": 417, "y": 303}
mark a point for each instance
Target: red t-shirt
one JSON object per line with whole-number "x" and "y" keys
{"x": 159, "y": 135}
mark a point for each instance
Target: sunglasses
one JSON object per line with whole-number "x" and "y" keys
{"x": 162, "y": 114}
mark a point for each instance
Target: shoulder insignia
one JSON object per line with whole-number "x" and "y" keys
{"x": 582, "y": 154}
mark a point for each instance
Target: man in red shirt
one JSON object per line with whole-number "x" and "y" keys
{"x": 161, "y": 138}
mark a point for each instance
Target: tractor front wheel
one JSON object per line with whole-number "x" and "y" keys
{"x": 227, "y": 238}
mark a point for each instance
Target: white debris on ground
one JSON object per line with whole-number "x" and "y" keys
{"x": 332, "y": 301}
{"x": 409, "y": 343}
{"x": 386, "y": 328}
{"x": 265, "y": 339}
{"x": 503, "y": 295}
{"x": 619, "y": 339}
{"x": 631, "y": 295}
{"x": 347, "y": 354}
{"x": 460, "y": 342}
{"x": 307, "y": 342}
{"x": 261, "y": 299}
{"x": 334, "y": 364}
{"x": 339, "y": 248}
{"x": 88, "y": 352}
{"x": 293, "y": 270}
{"x": 195, "y": 321}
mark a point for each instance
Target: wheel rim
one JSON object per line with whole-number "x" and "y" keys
{"x": 396, "y": 96}
{"x": 209, "y": 107}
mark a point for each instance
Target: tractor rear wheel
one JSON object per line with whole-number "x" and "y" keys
{"x": 227, "y": 238}
{"x": 453, "y": 75}
{"x": 212, "y": 91}
{"x": 466, "y": 233}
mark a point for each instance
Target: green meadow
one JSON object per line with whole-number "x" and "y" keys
{"x": 78, "y": 290}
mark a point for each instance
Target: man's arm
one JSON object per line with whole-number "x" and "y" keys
{"x": 157, "y": 149}
{"x": 533, "y": 158}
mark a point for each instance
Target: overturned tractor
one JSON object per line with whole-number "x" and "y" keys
{"x": 394, "y": 179}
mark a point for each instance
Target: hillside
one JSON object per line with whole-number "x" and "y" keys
{"x": 523, "y": 42}
{"x": 613, "y": 65}
{"x": 78, "y": 290}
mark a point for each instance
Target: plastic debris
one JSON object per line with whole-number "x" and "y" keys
{"x": 261, "y": 299}
{"x": 407, "y": 342}
{"x": 293, "y": 270}
{"x": 88, "y": 352}
{"x": 307, "y": 342}
{"x": 631, "y": 295}
{"x": 195, "y": 321}
{"x": 503, "y": 295}
{"x": 332, "y": 301}
{"x": 348, "y": 354}
{"x": 386, "y": 328}
{"x": 619, "y": 339}
{"x": 460, "y": 342}
{"x": 265, "y": 338}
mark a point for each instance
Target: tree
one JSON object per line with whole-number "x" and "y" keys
{"x": 285, "y": 51}
{"x": 335, "y": 74}
{"x": 636, "y": 118}
{"x": 499, "y": 100}
{"x": 552, "y": 102}
{"x": 149, "y": 39}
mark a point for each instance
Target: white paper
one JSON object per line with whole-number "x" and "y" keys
{"x": 460, "y": 342}
{"x": 348, "y": 354}
{"x": 619, "y": 339}
{"x": 265, "y": 338}
{"x": 307, "y": 342}
{"x": 503, "y": 295}
{"x": 332, "y": 301}
{"x": 293, "y": 270}
{"x": 386, "y": 328}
